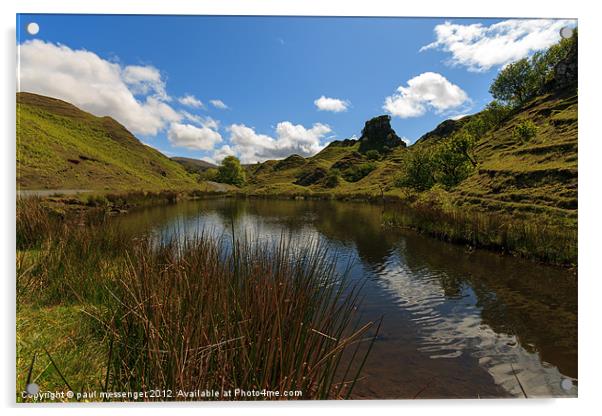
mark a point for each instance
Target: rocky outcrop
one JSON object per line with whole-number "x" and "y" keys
{"x": 378, "y": 135}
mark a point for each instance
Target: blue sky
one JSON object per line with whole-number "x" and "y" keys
{"x": 269, "y": 72}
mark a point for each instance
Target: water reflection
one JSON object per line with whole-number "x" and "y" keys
{"x": 457, "y": 323}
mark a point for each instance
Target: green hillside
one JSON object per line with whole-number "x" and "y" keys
{"x": 538, "y": 175}
{"x": 62, "y": 147}
{"x": 193, "y": 165}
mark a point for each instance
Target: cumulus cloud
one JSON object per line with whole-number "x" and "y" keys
{"x": 133, "y": 95}
{"x": 204, "y": 121}
{"x": 428, "y": 90}
{"x": 191, "y": 101}
{"x": 218, "y": 104}
{"x": 252, "y": 147}
{"x": 480, "y": 47}
{"x": 335, "y": 105}
{"x": 143, "y": 80}
{"x": 192, "y": 137}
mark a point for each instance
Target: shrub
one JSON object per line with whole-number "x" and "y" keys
{"x": 373, "y": 154}
{"x": 231, "y": 172}
{"x": 418, "y": 170}
{"x": 357, "y": 172}
{"x": 452, "y": 159}
{"x": 525, "y": 131}
{"x": 333, "y": 179}
{"x": 210, "y": 174}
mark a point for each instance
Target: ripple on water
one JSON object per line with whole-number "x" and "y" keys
{"x": 449, "y": 327}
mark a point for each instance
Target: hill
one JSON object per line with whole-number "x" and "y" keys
{"x": 60, "y": 146}
{"x": 536, "y": 176}
{"x": 193, "y": 165}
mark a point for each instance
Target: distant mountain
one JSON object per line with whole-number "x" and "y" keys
{"x": 193, "y": 165}
{"x": 60, "y": 146}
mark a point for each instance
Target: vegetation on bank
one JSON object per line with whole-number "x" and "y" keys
{"x": 541, "y": 238}
{"x": 141, "y": 312}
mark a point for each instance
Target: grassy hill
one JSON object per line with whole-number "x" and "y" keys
{"x": 538, "y": 176}
{"x": 62, "y": 147}
{"x": 193, "y": 165}
{"x": 512, "y": 176}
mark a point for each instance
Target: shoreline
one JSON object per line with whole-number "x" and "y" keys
{"x": 476, "y": 229}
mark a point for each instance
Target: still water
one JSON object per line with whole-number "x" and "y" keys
{"x": 456, "y": 323}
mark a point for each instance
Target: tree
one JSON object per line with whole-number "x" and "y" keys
{"x": 454, "y": 159}
{"x": 514, "y": 83}
{"x": 495, "y": 113}
{"x": 419, "y": 170}
{"x": 230, "y": 171}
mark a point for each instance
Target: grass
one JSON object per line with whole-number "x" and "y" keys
{"x": 100, "y": 309}
{"x": 62, "y": 147}
{"x": 544, "y": 239}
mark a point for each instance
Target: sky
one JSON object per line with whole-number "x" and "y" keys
{"x": 266, "y": 87}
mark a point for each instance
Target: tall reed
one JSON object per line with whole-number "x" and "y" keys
{"x": 535, "y": 239}
{"x": 199, "y": 313}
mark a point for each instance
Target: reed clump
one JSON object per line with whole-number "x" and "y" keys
{"x": 197, "y": 313}
{"x": 535, "y": 239}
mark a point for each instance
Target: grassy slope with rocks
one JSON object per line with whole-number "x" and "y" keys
{"x": 62, "y": 147}
{"x": 538, "y": 176}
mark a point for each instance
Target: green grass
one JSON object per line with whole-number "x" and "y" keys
{"x": 62, "y": 147}
{"x": 101, "y": 309}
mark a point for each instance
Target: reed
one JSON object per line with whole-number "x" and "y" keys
{"x": 535, "y": 239}
{"x": 198, "y": 313}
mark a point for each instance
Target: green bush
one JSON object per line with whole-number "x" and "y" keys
{"x": 357, "y": 172}
{"x": 333, "y": 179}
{"x": 525, "y": 131}
{"x": 210, "y": 174}
{"x": 453, "y": 159}
{"x": 231, "y": 172}
{"x": 373, "y": 154}
{"x": 418, "y": 170}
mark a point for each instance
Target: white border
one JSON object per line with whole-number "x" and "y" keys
{"x": 590, "y": 155}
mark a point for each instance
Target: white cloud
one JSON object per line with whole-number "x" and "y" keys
{"x": 218, "y": 104}
{"x": 458, "y": 116}
{"x": 406, "y": 140}
{"x": 144, "y": 80}
{"x": 481, "y": 47}
{"x": 290, "y": 138}
{"x": 204, "y": 121}
{"x": 192, "y": 137}
{"x": 428, "y": 90}
{"x": 133, "y": 95}
{"x": 331, "y": 104}
{"x": 191, "y": 101}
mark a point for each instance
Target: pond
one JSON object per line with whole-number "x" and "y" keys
{"x": 457, "y": 323}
